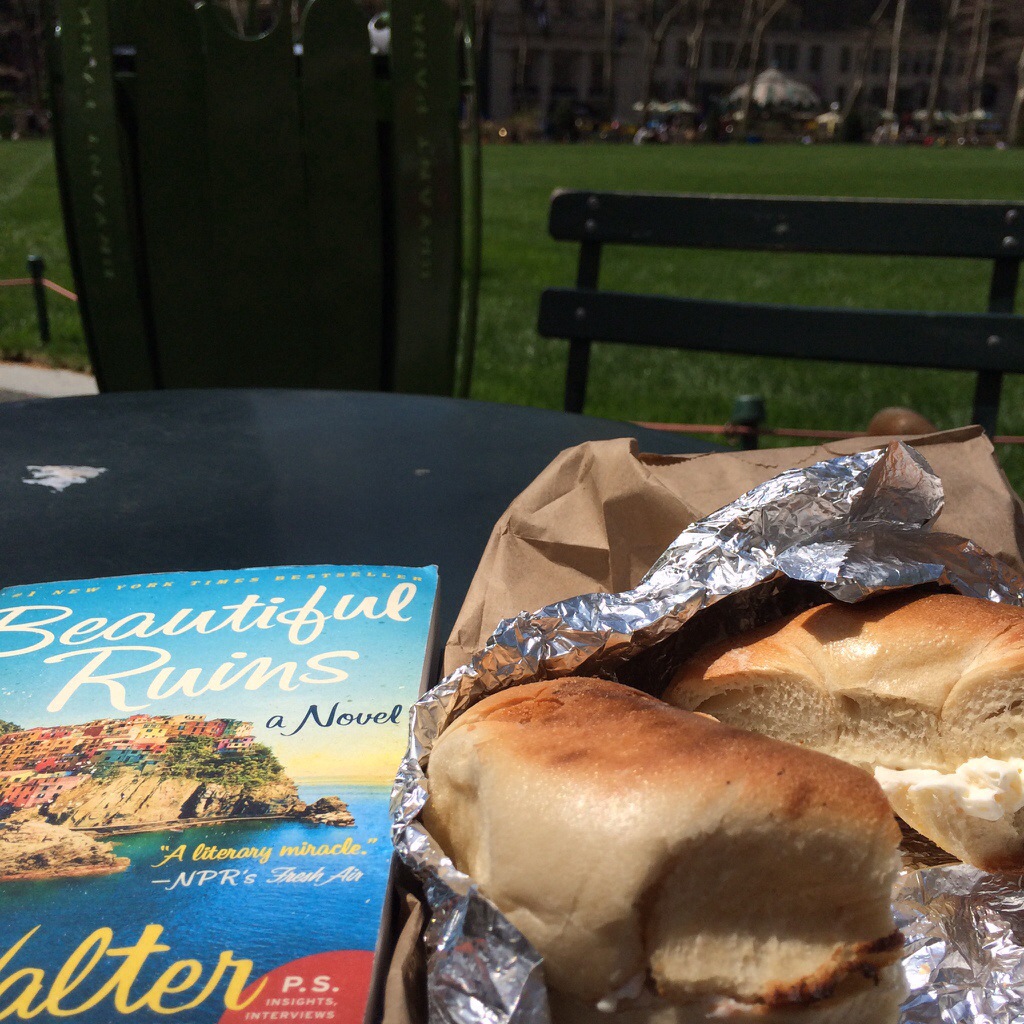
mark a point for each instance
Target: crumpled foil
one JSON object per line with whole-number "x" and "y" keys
{"x": 852, "y": 526}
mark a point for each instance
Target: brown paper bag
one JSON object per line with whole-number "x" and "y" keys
{"x": 600, "y": 515}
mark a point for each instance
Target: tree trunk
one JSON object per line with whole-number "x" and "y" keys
{"x": 972, "y": 56}
{"x": 522, "y": 52}
{"x": 981, "y": 66}
{"x": 655, "y": 44}
{"x": 948, "y": 15}
{"x": 755, "y": 56}
{"x": 607, "y": 78}
{"x": 894, "y": 67}
{"x": 742, "y": 40}
{"x": 863, "y": 56}
{"x": 1014, "y": 129}
{"x": 694, "y": 49}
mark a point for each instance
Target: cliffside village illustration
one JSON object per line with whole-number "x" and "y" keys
{"x": 64, "y": 787}
{"x": 38, "y": 765}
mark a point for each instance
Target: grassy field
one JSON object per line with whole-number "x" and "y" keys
{"x": 514, "y": 365}
{"x": 30, "y": 223}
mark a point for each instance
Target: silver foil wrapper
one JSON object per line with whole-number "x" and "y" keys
{"x": 852, "y": 526}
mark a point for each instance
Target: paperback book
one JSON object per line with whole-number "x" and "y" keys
{"x": 195, "y": 774}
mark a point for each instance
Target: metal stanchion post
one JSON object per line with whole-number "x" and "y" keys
{"x": 37, "y": 268}
{"x": 748, "y": 411}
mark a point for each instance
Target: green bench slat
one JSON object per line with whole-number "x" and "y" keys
{"x": 983, "y": 230}
{"x": 955, "y": 341}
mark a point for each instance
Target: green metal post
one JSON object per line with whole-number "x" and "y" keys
{"x": 37, "y": 268}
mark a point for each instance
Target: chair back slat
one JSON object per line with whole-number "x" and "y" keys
{"x": 951, "y": 341}
{"x": 255, "y": 186}
{"x": 166, "y": 89}
{"x": 982, "y": 230}
{"x": 989, "y": 344}
{"x": 427, "y": 193}
{"x": 101, "y": 233}
{"x": 260, "y": 225}
{"x": 344, "y": 212}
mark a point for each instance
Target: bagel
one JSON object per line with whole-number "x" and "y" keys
{"x": 662, "y": 863}
{"x": 927, "y": 692}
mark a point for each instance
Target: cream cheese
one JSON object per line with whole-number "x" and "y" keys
{"x": 983, "y": 787}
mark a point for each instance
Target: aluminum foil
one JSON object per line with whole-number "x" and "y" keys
{"x": 854, "y": 526}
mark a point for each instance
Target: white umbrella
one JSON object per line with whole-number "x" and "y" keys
{"x": 675, "y": 107}
{"x": 774, "y": 89}
{"x": 939, "y": 117}
{"x": 668, "y": 107}
{"x": 830, "y": 117}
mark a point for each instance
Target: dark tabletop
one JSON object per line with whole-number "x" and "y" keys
{"x": 234, "y": 479}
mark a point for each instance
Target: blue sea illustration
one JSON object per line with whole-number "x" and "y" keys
{"x": 267, "y": 923}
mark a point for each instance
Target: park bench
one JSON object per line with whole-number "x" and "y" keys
{"x": 988, "y": 343}
{"x": 261, "y": 204}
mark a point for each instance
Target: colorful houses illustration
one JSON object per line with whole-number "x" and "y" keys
{"x": 38, "y": 765}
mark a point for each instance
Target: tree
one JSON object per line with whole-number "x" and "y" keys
{"x": 607, "y": 65}
{"x": 695, "y": 47}
{"x": 981, "y": 63}
{"x": 766, "y": 12}
{"x": 6, "y": 727}
{"x": 658, "y": 24}
{"x": 22, "y": 37}
{"x": 949, "y": 13}
{"x": 1014, "y": 129}
{"x": 196, "y": 757}
{"x": 974, "y": 10}
{"x": 742, "y": 43}
{"x": 863, "y": 56}
{"x": 1007, "y": 55}
{"x": 894, "y": 63}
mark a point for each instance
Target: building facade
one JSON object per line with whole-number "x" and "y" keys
{"x": 542, "y": 54}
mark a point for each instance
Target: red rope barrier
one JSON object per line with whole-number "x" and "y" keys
{"x": 47, "y": 283}
{"x": 60, "y": 290}
{"x": 735, "y": 430}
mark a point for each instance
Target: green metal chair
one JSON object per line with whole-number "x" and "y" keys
{"x": 990, "y": 344}
{"x": 274, "y": 209}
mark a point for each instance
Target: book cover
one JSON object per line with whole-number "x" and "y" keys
{"x": 195, "y": 772}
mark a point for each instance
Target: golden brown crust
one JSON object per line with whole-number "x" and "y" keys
{"x": 918, "y": 647}
{"x": 901, "y": 681}
{"x": 629, "y": 839}
{"x": 585, "y": 727}
{"x": 866, "y": 959}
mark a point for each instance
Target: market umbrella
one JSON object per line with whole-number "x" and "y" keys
{"x": 772, "y": 88}
{"x": 668, "y": 107}
{"x": 939, "y": 117}
{"x": 675, "y": 107}
{"x": 830, "y": 118}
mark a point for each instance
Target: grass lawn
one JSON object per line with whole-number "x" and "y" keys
{"x": 30, "y": 223}
{"x": 514, "y": 365}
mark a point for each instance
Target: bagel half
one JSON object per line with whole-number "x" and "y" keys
{"x": 928, "y": 690}
{"x": 659, "y": 860}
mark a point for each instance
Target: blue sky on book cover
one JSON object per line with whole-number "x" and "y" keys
{"x": 197, "y": 790}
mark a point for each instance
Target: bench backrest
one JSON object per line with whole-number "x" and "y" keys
{"x": 989, "y": 343}
{"x": 281, "y": 209}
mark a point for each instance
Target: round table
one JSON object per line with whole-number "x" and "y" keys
{"x": 236, "y": 479}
